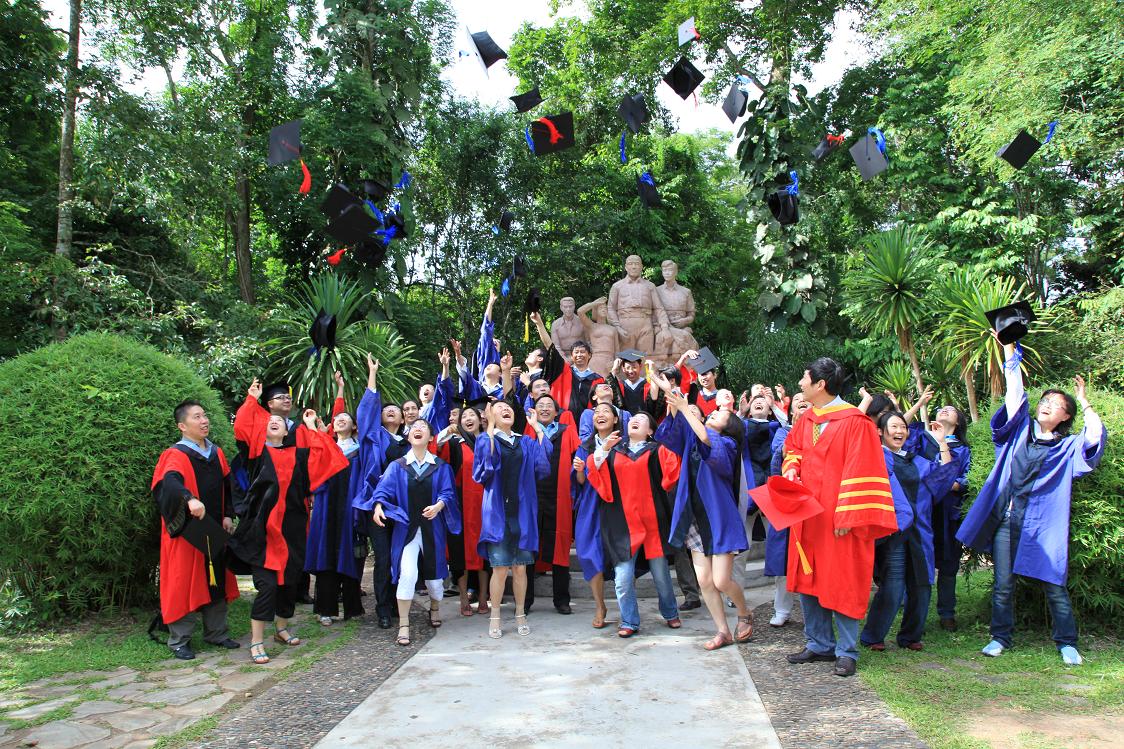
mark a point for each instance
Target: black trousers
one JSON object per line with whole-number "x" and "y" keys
{"x": 329, "y": 585}
{"x": 385, "y": 603}
{"x": 559, "y": 580}
{"x": 272, "y": 600}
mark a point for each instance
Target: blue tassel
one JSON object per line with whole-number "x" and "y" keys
{"x": 646, "y": 178}
{"x": 794, "y": 188}
{"x": 376, "y": 212}
{"x": 505, "y": 288}
{"x": 387, "y": 234}
{"x": 624, "y": 155}
{"x": 1016, "y": 358}
{"x": 405, "y": 181}
{"x": 879, "y": 138}
{"x": 530, "y": 141}
{"x": 496, "y": 230}
{"x": 1050, "y": 135}
{"x": 463, "y": 53}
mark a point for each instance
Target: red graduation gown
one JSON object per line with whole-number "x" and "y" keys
{"x": 460, "y": 457}
{"x": 845, "y": 470}
{"x": 556, "y": 514}
{"x": 184, "y": 578}
{"x": 635, "y": 508}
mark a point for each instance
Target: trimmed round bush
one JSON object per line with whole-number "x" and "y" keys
{"x": 83, "y": 423}
{"x": 1096, "y": 541}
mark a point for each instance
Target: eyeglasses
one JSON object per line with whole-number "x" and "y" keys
{"x": 282, "y": 398}
{"x": 1053, "y": 404}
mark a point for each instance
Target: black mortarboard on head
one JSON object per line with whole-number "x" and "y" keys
{"x": 527, "y": 101}
{"x": 352, "y": 226}
{"x": 706, "y": 361}
{"x": 478, "y": 402}
{"x": 870, "y": 155}
{"x": 1018, "y": 152}
{"x": 323, "y": 331}
{"x": 826, "y": 146}
{"x": 489, "y": 51}
{"x": 630, "y": 354}
{"x": 338, "y": 200}
{"x": 736, "y": 100}
{"x": 550, "y": 134}
{"x": 683, "y": 78}
{"x": 375, "y": 189}
{"x": 646, "y": 186}
{"x": 634, "y": 111}
{"x": 285, "y": 143}
{"x": 1011, "y": 322}
{"x": 271, "y": 391}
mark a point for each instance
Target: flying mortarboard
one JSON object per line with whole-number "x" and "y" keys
{"x": 634, "y": 111}
{"x": 734, "y": 105}
{"x": 519, "y": 267}
{"x": 706, "y": 361}
{"x": 285, "y": 145}
{"x": 369, "y": 252}
{"x": 352, "y": 226}
{"x": 395, "y": 227}
{"x": 338, "y": 200}
{"x": 630, "y": 354}
{"x": 683, "y": 78}
{"x": 550, "y": 134}
{"x": 784, "y": 503}
{"x": 487, "y": 50}
{"x": 785, "y": 207}
{"x": 525, "y": 102}
{"x": 323, "y": 331}
{"x": 1011, "y": 322}
{"x": 688, "y": 32}
{"x": 826, "y": 146}
{"x": 646, "y": 186}
{"x": 534, "y": 301}
{"x": 1018, "y": 152}
{"x": 375, "y": 189}
{"x": 504, "y": 224}
{"x": 870, "y": 154}
{"x": 269, "y": 392}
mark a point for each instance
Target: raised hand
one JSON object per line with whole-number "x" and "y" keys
{"x": 492, "y": 297}
{"x": 309, "y": 418}
{"x": 865, "y": 393}
{"x": 780, "y": 391}
{"x": 321, "y": 426}
{"x": 926, "y": 395}
{"x": 372, "y": 364}
{"x": 255, "y": 389}
{"x": 579, "y": 465}
{"x": 1079, "y": 389}
{"x": 456, "y": 345}
{"x": 443, "y": 358}
{"x": 611, "y": 441}
{"x": 338, "y": 377}
{"x": 937, "y": 429}
{"x": 662, "y": 382}
{"x": 616, "y": 367}
{"x": 506, "y": 362}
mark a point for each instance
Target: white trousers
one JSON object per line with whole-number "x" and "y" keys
{"x": 782, "y": 598}
{"x": 408, "y": 572}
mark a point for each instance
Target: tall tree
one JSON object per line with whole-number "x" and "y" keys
{"x": 65, "y": 232}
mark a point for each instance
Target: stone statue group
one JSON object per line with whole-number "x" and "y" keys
{"x": 637, "y": 314}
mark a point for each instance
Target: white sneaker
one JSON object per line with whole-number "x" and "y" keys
{"x": 778, "y": 620}
{"x": 1070, "y": 656}
{"x": 993, "y": 649}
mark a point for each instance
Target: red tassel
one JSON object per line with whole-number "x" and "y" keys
{"x": 835, "y": 140}
{"x": 306, "y": 183}
{"x": 696, "y": 98}
{"x": 555, "y": 136}
{"x": 334, "y": 258}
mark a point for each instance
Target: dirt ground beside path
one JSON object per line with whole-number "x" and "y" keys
{"x": 1019, "y": 729}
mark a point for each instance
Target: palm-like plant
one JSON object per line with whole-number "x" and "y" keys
{"x": 311, "y": 374}
{"x": 896, "y": 377}
{"x": 964, "y": 333}
{"x": 889, "y": 294}
{"x": 942, "y": 373}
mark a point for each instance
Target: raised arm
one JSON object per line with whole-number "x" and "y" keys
{"x": 920, "y": 406}
{"x": 1012, "y": 370}
{"x": 544, "y": 334}
{"x": 486, "y": 352}
{"x": 1094, "y": 428}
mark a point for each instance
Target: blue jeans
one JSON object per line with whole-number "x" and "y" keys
{"x": 625, "y": 583}
{"x": 897, "y": 583}
{"x": 1003, "y": 599}
{"x": 818, "y": 630}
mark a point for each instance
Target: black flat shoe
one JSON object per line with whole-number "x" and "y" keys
{"x": 845, "y": 666}
{"x": 184, "y": 653}
{"x": 564, "y": 609}
{"x": 384, "y": 622}
{"x": 305, "y": 599}
{"x": 809, "y": 656}
{"x": 948, "y": 625}
{"x": 690, "y": 605}
{"x": 229, "y": 644}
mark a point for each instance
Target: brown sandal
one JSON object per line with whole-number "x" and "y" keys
{"x": 719, "y": 640}
{"x": 466, "y": 609}
{"x": 435, "y": 616}
{"x": 745, "y": 635}
{"x": 599, "y": 619}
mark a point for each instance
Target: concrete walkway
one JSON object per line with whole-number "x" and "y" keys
{"x": 566, "y": 684}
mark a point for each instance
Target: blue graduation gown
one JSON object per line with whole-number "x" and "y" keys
{"x": 934, "y": 479}
{"x": 947, "y": 508}
{"x": 1043, "y": 550}
{"x": 487, "y": 469}
{"x": 393, "y": 494}
{"x": 486, "y": 352}
{"x": 587, "y": 519}
{"x": 720, "y": 524}
{"x": 436, "y": 412}
{"x": 776, "y": 542}
{"x": 585, "y": 423}
{"x": 349, "y": 522}
{"x": 374, "y": 440}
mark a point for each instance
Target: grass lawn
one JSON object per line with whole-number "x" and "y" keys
{"x": 957, "y": 698}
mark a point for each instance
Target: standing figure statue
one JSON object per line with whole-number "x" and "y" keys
{"x": 679, "y": 304}
{"x": 635, "y": 309}
{"x": 602, "y": 337}
{"x": 566, "y": 330}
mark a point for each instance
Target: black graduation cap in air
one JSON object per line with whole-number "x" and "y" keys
{"x": 525, "y": 102}
{"x": 352, "y": 226}
{"x": 683, "y": 78}
{"x": 1018, "y": 152}
{"x": 489, "y": 51}
{"x": 630, "y": 354}
{"x": 506, "y": 218}
{"x": 338, "y": 200}
{"x": 369, "y": 252}
{"x": 397, "y": 220}
{"x": 634, "y": 111}
{"x": 553, "y": 133}
{"x": 646, "y": 186}
{"x": 784, "y": 206}
{"x": 826, "y": 146}
{"x": 1011, "y": 322}
{"x": 519, "y": 267}
{"x": 870, "y": 161}
{"x": 275, "y": 389}
{"x": 323, "y": 331}
{"x": 706, "y": 361}
{"x": 284, "y": 143}
{"x": 534, "y": 301}
{"x": 734, "y": 105}
{"x": 375, "y": 189}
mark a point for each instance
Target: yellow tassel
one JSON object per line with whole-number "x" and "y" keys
{"x": 803, "y": 559}
{"x": 213, "y": 582}
{"x": 526, "y": 329}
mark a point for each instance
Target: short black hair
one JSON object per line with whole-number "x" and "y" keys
{"x": 830, "y": 371}
{"x": 580, "y": 344}
{"x": 1070, "y": 408}
{"x": 672, "y": 374}
{"x": 180, "y": 411}
{"x": 879, "y": 404}
{"x": 885, "y": 416}
{"x": 734, "y": 429}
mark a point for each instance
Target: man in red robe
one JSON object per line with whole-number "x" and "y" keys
{"x": 192, "y": 482}
{"x": 834, "y": 451}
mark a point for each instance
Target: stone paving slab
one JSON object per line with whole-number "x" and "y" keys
{"x": 809, "y": 706}
{"x": 65, "y": 734}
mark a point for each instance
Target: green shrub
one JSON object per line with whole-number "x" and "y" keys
{"x": 1096, "y": 546}
{"x": 779, "y": 356}
{"x": 83, "y": 423}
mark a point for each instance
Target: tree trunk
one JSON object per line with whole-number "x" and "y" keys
{"x": 64, "y": 236}
{"x": 970, "y": 386}
{"x": 907, "y": 344}
{"x": 241, "y": 230}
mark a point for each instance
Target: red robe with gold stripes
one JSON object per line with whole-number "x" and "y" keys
{"x": 845, "y": 470}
